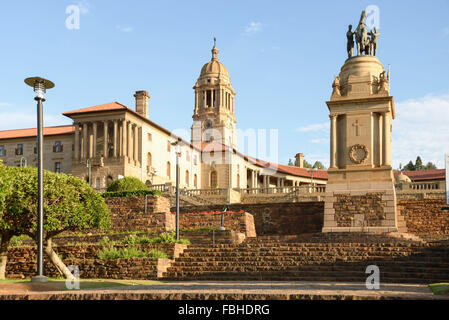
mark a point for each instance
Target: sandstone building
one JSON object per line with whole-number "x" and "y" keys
{"x": 109, "y": 141}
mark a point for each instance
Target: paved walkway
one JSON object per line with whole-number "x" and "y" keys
{"x": 231, "y": 290}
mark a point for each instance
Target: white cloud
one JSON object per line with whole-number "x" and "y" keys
{"x": 125, "y": 28}
{"x": 317, "y": 127}
{"x": 252, "y": 28}
{"x": 320, "y": 141}
{"x": 421, "y": 128}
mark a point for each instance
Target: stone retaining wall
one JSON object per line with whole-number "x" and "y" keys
{"x": 22, "y": 260}
{"x": 277, "y": 218}
{"x": 136, "y": 214}
{"x": 425, "y": 216}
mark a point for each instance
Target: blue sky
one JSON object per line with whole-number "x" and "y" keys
{"x": 281, "y": 56}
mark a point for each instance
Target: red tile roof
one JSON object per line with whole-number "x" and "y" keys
{"x": 111, "y": 106}
{"x": 291, "y": 170}
{"x": 32, "y": 132}
{"x": 424, "y": 175}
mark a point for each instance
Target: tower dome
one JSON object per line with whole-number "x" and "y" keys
{"x": 213, "y": 70}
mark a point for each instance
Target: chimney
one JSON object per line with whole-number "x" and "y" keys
{"x": 142, "y": 98}
{"x": 299, "y": 160}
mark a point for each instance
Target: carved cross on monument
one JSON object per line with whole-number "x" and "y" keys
{"x": 357, "y": 127}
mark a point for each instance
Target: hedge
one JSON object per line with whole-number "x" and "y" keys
{"x": 121, "y": 194}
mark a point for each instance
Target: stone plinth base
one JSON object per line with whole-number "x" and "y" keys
{"x": 355, "y": 208}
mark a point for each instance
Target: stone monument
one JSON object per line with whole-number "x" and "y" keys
{"x": 360, "y": 194}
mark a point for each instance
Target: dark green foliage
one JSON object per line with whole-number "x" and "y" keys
{"x": 131, "y": 193}
{"x": 168, "y": 237}
{"x": 418, "y": 165}
{"x": 318, "y": 165}
{"x": 127, "y": 184}
{"x": 70, "y": 204}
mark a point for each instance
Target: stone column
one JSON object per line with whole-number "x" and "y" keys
{"x": 386, "y": 140}
{"x": 115, "y": 138}
{"x": 196, "y": 100}
{"x": 94, "y": 145}
{"x": 105, "y": 138}
{"x": 120, "y": 140}
{"x": 333, "y": 141}
{"x": 381, "y": 137}
{"x": 130, "y": 145}
{"x": 77, "y": 141}
{"x": 212, "y": 94}
{"x": 124, "y": 138}
{"x": 135, "y": 143}
{"x": 84, "y": 140}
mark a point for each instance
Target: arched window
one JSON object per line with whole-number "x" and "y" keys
{"x": 149, "y": 159}
{"x": 213, "y": 179}
{"x": 195, "y": 181}
{"x": 168, "y": 169}
{"x": 187, "y": 178}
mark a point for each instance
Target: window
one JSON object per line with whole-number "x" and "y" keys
{"x": 19, "y": 150}
{"x": 213, "y": 179}
{"x": 2, "y": 151}
{"x": 149, "y": 159}
{"x": 195, "y": 160}
{"x": 168, "y": 169}
{"x": 150, "y": 137}
{"x": 168, "y": 146}
{"x": 238, "y": 180}
{"x": 187, "y": 178}
{"x": 187, "y": 155}
{"x": 58, "y": 167}
{"x": 97, "y": 183}
{"x": 57, "y": 147}
{"x": 195, "y": 181}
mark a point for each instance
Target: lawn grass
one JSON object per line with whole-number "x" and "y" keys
{"x": 439, "y": 288}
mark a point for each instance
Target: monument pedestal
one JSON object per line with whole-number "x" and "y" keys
{"x": 360, "y": 193}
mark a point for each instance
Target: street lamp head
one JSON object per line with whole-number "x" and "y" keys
{"x": 40, "y": 85}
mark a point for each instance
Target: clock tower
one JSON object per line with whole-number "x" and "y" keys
{"x": 213, "y": 115}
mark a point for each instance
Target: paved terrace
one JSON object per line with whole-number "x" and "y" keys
{"x": 209, "y": 290}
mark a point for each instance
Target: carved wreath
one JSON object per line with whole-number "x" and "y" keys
{"x": 358, "y": 153}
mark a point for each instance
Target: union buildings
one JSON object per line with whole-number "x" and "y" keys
{"x": 113, "y": 140}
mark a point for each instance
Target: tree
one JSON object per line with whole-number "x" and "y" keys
{"x": 430, "y": 166}
{"x": 127, "y": 184}
{"x": 70, "y": 204}
{"x": 318, "y": 165}
{"x": 290, "y": 162}
{"x": 307, "y": 165}
{"x": 418, "y": 164}
{"x": 409, "y": 166}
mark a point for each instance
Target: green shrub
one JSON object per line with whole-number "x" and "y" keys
{"x": 122, "y": 253}
{"x": 168, "y": 237}
{"x": 118, "y": 194}
{"x": 129, "y": 252}
{"x": 127, "y": 184}
{"x": 133, "y": 239}
{"x": 157, "y": 254}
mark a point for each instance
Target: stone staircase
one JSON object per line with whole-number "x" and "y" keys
{"x": 317, "y": 257}
{"x": 187, "y": 200}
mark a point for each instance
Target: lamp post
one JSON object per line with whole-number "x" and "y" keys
{"x": 311, "y": 170}
{"x": 40, "y": 86}
{"x": 178, "y": 154}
